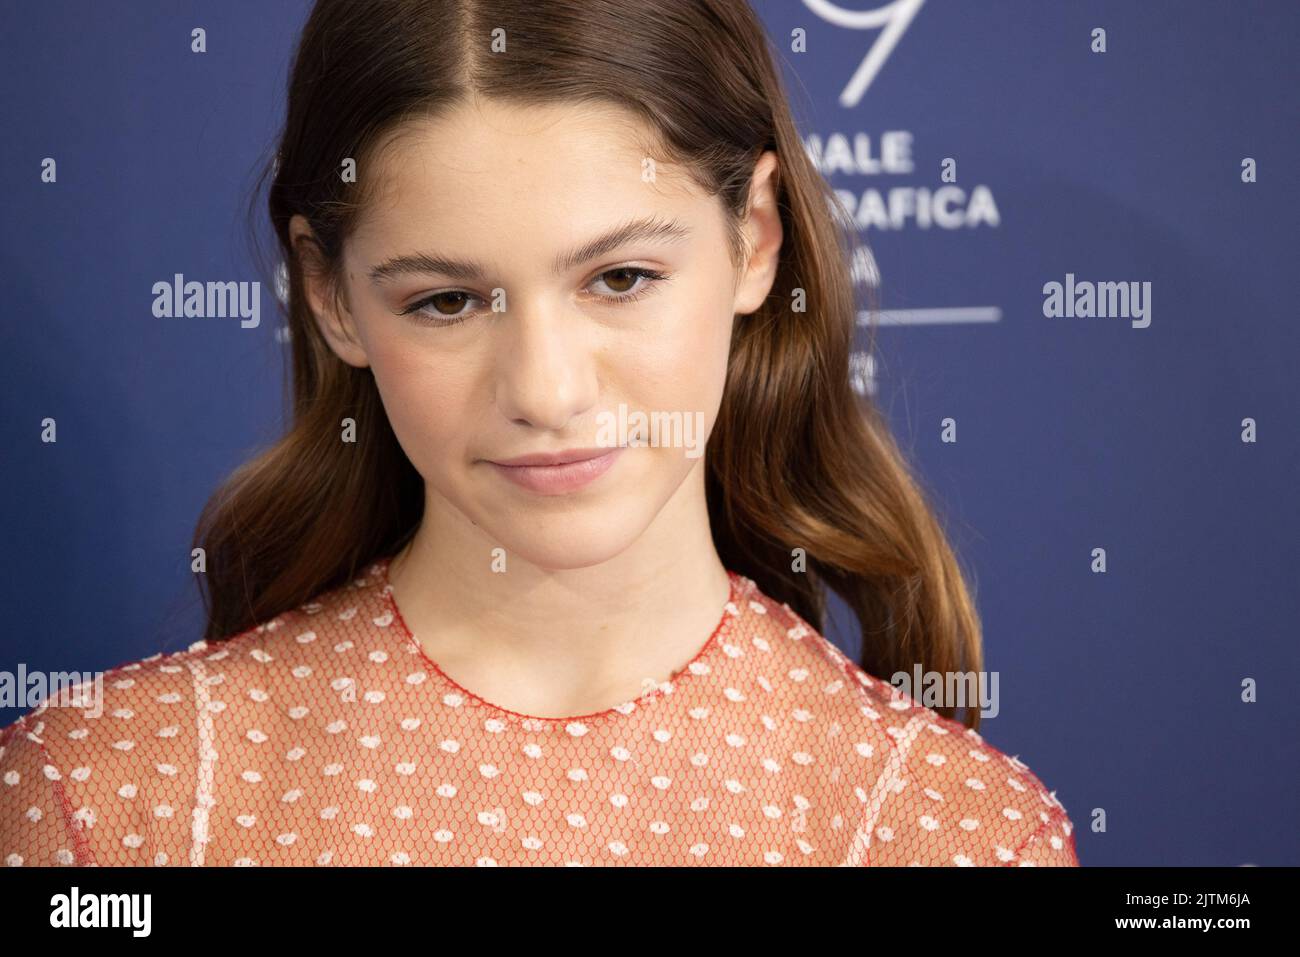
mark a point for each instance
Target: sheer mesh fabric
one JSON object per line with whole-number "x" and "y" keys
{"x": 326, "y": 737}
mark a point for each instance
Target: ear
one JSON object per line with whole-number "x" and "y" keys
{"x": 763, "y": 234}
{"x": 327, "y": 304}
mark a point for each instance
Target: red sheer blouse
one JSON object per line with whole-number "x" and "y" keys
{"x": 326, "y": 736}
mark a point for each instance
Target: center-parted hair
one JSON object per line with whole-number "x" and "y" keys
{"x": 796, "y": 460}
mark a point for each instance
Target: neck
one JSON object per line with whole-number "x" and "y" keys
{"x": 561, "y": 641}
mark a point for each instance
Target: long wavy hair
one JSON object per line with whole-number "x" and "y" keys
{"x": 797, "y": 460}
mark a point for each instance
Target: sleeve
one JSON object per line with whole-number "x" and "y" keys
{"x": 1052, "y": 845}
{"x": 34, "y": 822}
{"x": 943, "y": 796}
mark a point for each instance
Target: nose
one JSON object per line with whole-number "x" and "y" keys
{"x": 546, "y": 368}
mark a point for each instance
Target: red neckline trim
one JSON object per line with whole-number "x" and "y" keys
{"x": 722, "y": 628}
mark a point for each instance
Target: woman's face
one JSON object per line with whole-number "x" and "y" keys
{"x": 497, "y": 327}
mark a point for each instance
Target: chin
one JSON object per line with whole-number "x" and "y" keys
{"x": 574, "y": 538}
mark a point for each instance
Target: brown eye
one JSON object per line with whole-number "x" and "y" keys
{"x": 442, "y": 308}
{"x": 623, "y": 279}
{"x": 453, "y": 301}
{"x": 628, "y": 283}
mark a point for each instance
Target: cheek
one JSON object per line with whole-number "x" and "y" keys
{"x": 426, "y": 398}
{"x": 682, "y": 365}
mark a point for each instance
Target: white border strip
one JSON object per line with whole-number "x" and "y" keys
{"x": 203, "y": 799}
{"x": 886, "y": 781}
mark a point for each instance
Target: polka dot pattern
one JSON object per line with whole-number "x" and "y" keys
{"x": 325, "y": 736}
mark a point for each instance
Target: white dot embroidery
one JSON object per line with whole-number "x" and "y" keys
{"x": 325, "y": 736}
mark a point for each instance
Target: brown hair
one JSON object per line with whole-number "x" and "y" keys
{"x": 796, "y": 459}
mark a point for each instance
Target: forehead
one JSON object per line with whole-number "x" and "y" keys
{"x": 525, "y": 169}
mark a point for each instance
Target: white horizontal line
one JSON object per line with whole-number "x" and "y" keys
{"x": 925, "y": 317}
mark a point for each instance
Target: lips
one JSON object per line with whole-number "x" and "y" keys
{"x": 557, "y": 473}
{"x": 553, "y": 458}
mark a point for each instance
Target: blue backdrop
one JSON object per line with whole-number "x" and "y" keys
{"x": 1122, "y": 690}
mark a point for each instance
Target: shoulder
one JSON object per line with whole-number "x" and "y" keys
{"x": 159, "y": 697}
{"x": 108, "y": 710}
{"x": 951, "y": 797}
{"x": 109, "y": 769}
{"x": 101, "y": 757}
{"x": 928, "y": 789}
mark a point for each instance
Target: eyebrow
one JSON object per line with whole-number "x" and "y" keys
{"x": 650, "y": 229}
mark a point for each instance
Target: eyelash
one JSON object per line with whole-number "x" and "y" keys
{"x": 651, "y": 278}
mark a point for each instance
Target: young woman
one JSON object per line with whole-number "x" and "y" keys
{"x": 487, "y": 602}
